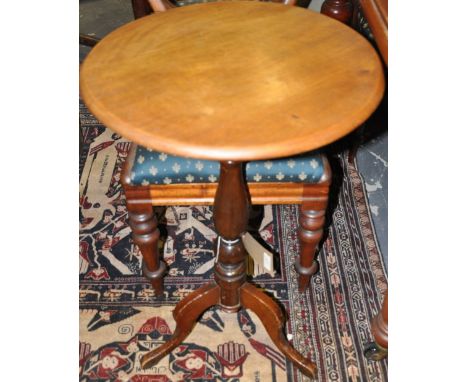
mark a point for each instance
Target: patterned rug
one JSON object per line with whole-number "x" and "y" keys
{"x": 121, "y": 318}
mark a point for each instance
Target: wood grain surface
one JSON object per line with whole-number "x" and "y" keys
{"x": 233, "y": 80}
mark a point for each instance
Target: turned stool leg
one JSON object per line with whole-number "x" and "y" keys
{"x": 145, "y": 231}
{"x": 310, "y": 233}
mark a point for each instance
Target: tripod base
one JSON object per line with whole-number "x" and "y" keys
{"x": 268, "y": 311}
{"x": 185, "y": 314}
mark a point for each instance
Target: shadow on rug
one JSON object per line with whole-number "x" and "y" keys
{"x": 121, "y": 318}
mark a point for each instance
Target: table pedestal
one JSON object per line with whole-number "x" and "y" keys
{"x": 230, "y": 290}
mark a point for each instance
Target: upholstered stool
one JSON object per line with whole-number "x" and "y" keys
{"x": 152, "y": 178}
{"x": 153, "y": 167}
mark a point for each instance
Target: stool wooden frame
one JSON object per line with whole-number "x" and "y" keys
{"x": 313, "y": 198}
{"x": 230, "y": 269}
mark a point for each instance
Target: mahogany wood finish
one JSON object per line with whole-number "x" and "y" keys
{"x": 288, "y": 92}
{"x": 230, "y": 214}
{"x": 310, "y": 233}
{"x": 379, "y": 327}
{"x": 190, "y": 194}
{"x": 314, "y": 198}
{"x": 146, "y": 235}
{"x": 344, "y": 11}
{"x": 185, "y": 315}
{"x": 202, "y": 194}
{"x": 303, "y": 82}
{"x": 341, "y": 10}
{"x": 380, "y": 324}
{"x": 141, "y": 8}
{"x": 376, "y": 12}
{"x": 231, "y": 292}
{"x": 272, "y": 318}
{"x": 88, "y": 40}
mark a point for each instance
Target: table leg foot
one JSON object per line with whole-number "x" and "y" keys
{"x": 272, "y": 318}
{"x": 185, "y": 314}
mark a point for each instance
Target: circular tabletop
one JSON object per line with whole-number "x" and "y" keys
{"x": 233, "y": 80}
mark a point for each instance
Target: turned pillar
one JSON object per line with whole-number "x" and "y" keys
{"x": 231, "y": 212}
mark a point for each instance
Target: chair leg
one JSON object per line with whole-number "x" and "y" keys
{"x": 310, "y": 233}
{"x": 341, "y": 10}
{"x": 145, "y": 231}
{"x": 141, "y": 8}
{"x": 378, "y": 349}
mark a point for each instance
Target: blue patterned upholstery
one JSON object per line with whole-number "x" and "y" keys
{"x": 154, "y": 167}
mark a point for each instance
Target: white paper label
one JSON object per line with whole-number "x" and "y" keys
{"x": 267, "y": 262}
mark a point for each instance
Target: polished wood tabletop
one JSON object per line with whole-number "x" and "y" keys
{"x": 233, "y": 80}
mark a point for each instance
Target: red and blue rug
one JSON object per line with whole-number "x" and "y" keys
{"x": 121, "y": 318}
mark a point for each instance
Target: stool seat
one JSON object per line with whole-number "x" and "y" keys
{"x": 155, "y": 167}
